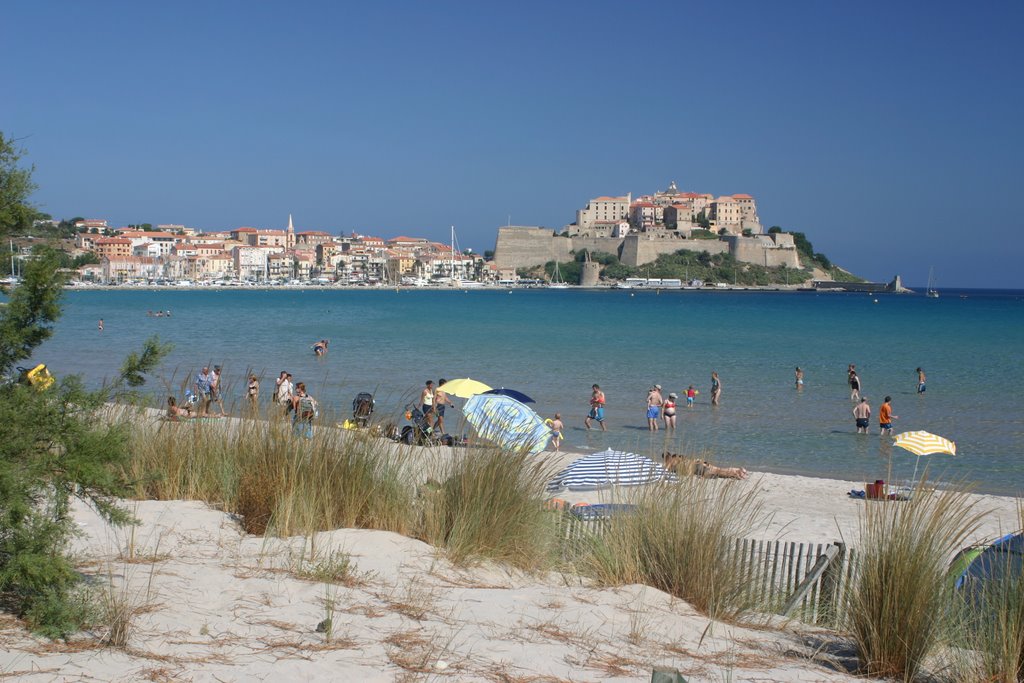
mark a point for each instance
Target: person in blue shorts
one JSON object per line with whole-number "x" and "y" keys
{"x": 920, "y": 381}
{"x": 654, "y": 401}
{"x": 597, "y": 401}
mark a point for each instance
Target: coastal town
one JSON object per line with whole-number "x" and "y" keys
{"x": 635, "y": 230}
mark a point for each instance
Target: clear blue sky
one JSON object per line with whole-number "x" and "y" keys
{"x": 890, "y": 133}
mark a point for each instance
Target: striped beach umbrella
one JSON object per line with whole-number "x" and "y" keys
{"x": 609, "y": 468}
{"x": 507, "y": 423}
{"x": 924, "y": 443}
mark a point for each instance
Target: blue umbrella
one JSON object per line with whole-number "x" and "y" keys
{"x": 608, "y": 468}
{"x": 507, "y": 423}
{"x": 512, "y": 393}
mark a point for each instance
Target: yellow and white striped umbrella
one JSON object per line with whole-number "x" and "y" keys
{"x": 924, "y": 443}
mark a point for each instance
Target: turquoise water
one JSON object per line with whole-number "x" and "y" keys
{"x": 553, "y": 344}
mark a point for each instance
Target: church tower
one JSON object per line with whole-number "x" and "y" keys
{"x": 291, "y": 233}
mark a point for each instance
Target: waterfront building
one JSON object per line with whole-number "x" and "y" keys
{"x": 603, "y": 208}
{"x": 112, "y": 247}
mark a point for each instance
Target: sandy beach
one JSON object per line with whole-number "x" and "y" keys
{"x": 211, "y": 603}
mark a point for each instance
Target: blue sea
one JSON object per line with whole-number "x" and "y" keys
{"x": 554, "y": 344}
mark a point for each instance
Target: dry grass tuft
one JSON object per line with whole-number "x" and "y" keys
{"x": 680, "y": 540}
{"x": 898, "y": 608}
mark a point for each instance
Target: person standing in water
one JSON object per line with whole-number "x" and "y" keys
{"x": 101, "y": 325}
{"x": 799, "y": 379}
{"x": 597, "y": 401}
{"x": 885, "y": 417}
{"x": 920, "y": 381}
{"x": 716, "y": 388}
{"x": 668, "y": 412}
{"x": 854, "y": 384}
{"x": 654, "y": 403}
{"x": 556, "y": 426}
{"x": 862, "y": 413}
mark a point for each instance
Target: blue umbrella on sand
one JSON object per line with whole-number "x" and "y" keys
{"x": 609, "y": 468}
{"x": 511, "y": 393}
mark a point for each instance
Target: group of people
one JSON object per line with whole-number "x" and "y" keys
{"x": 862, "y": 411}
{"x": 206, "y": 392}
{"x": 658, "y": 406}
{"x": 433, "y": 402}
{"x": 294, "y": 401}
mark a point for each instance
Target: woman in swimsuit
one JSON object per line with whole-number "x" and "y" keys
{"x": 668, "y": 411}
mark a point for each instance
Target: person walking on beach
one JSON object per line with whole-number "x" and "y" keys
{"x": 252, "y": 392}
{"x": 441, "y": 401}
{"x": 862, "y": 413}
{"x": 556, "y": 426}
{"x": 920, "y": 381}
{"x": 215, "y": 393}
{"x": 854, "y": 384}
{"x": 427, "y": 402}
{"x": 283, "y": 392}
{"x": 654, "y": 403}
{"x": 668, "y": 411}
{"x": 716, "y": 389}
{"x": 597, "y": 402}
{"x": 885, "y": 417}
{"x": 799, "y": 379}
{"x": 304, "y": 410}
{"x": 204, "y": 389}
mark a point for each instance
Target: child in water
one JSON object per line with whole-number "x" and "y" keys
{"x": 691, "y": 393}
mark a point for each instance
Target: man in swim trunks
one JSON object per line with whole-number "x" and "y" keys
{"x": 862, "y": 413}
{"x": 885, "y": 417}
{"x": 441, "y": 400}
{"x": 654, "y": 402}
{"x": 920, "y": 381}
{"x": 596, "y": 408}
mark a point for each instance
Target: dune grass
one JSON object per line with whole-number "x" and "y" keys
{"x": 680, "y": 539}
{"x": 277, "y": 483}
{"x": 899, "y": 606}
{"x": 490, "y": 505}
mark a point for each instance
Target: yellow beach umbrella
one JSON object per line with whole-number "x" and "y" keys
{"x": 463, "y": 388}
{"x": 924, "y": 443}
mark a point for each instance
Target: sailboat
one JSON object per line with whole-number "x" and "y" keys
{"x": 556, "y": 280}
{"x": 931, "y": 292}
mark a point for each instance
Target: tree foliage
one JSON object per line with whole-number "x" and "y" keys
{"x": 16, "y": 214}
{"x": 56, "y": 444}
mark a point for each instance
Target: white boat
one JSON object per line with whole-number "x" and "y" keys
{"x": 931, "y": 292}
{"x": 556, "y": 280}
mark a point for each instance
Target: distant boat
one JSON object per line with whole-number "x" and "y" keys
{"x": 931, "y": 292}
{"x": 556, "y": 280}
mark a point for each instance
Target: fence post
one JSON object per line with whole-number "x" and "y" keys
{"x": 828, "y": 607}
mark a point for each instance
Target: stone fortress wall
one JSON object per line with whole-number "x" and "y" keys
{"x": 527, "y": 247}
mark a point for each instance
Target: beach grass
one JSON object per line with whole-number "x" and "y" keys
{"x": 489, "y": 504}
{"x": 900, "y": 605}
{"x": 276, "y": 482}
{"x": 680, "y": 539}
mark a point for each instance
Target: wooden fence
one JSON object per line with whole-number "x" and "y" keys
{"x": 807, "y": 581}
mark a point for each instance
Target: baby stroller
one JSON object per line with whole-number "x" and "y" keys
{"x": 362, "y": 408}
{"x": 420, "y": 432}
